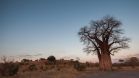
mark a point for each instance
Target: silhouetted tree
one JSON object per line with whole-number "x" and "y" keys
{"x": 32, "y": 67}
{"x": 103, "y": 37}
{"x": 25, "y": 61}
{"x": 121, "y": 63}
{"x": 42, "y": 59}
{"x": 133, "y": 61}
{"x": 121, "y": 60}
{"x": 79, "y": 66}
{"x": 51, "y": 59}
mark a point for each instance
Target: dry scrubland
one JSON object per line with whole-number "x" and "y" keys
{"x": 53, "y": 73}
{"x": 44, "y": 68}
{"x": 72, "y": 73}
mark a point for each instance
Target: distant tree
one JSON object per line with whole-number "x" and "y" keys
{"x": 88, "y": 64}
{"x": 133, "y": 61}
{"x": 79, "y": 66}
{"x": 121, "y": 63}
{"x": 103, "y": 37}
{"x": 32, "y": 67}
{"x": 51, "y": 59}
{"x": 4, "y": 59}
{"x": 121, "y": 60}
{"x": 42, "y": 59}
{"x": 71, "y": 59}
{"x": 25, "y": 61}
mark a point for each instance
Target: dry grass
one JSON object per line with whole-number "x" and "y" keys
{"x": 67, "y": 72}
{"x": 53, "y": 73}
{"x": 63, "y": 69}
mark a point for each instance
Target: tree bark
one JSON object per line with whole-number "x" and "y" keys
{"x": 105, "y": 63}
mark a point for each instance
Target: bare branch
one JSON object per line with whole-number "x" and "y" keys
{"x": 103, "y": 34}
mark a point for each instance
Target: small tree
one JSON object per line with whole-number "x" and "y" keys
{"x": 79, "y": 66}
{"x": 25, "y": 61}
{"x": 32, "y": 67}
{"x": 133, "y": 61}
{"x": 42, "y": 59}
{"x": 51, "y": 59}
{"x": 121, "y": 63}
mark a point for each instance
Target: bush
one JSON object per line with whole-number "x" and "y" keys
{"x": 44, "y": 67}
{"x": 78, "y": 66}
{"x": 32, "y": 67}
{"x": 51, "y": 60}
{"x": 133, "y": 61}
{"x": 8, "y": 68}
{"x": 25, "y": 61}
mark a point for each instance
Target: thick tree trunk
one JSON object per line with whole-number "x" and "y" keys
{"x": 105, "y": 63}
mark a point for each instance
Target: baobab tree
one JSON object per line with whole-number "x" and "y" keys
{"x": 103, "y": 37}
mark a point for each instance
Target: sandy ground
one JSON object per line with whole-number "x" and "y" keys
{"x": 113, "y": 74}
{"x": 72, "y": 73}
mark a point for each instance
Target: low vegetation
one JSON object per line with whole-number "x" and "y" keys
{"x": 58, "y": 68}
{"x": 79, "y": 66}
{"x": 8, "y": 68}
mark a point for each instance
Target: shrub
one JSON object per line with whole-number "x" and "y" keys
{"x": 25, "y": 61}
{"x": 8, "y": 68}
{"x": 51, "y": 59}
{"x": 32, "y": 67}
{"x": 78, "y": 66}
{"x": 133, "y": 61}
{"x": 44, "y": 67}
{"x": 42, "y": 59}
{"x": 121, "y": 63}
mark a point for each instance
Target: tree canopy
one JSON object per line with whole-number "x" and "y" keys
{"x": 105, "y": 31}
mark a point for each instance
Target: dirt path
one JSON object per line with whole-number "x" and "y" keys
{"x": 115, "y": 74}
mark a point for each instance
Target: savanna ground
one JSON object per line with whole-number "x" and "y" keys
{"x": 52, "y": 68}
{"x": 89, "y": 72}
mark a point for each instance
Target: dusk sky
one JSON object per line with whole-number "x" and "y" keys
{"x": 49, "y": 27}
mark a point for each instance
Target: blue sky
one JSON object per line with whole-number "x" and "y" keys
{"x": 50, "y": 27}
